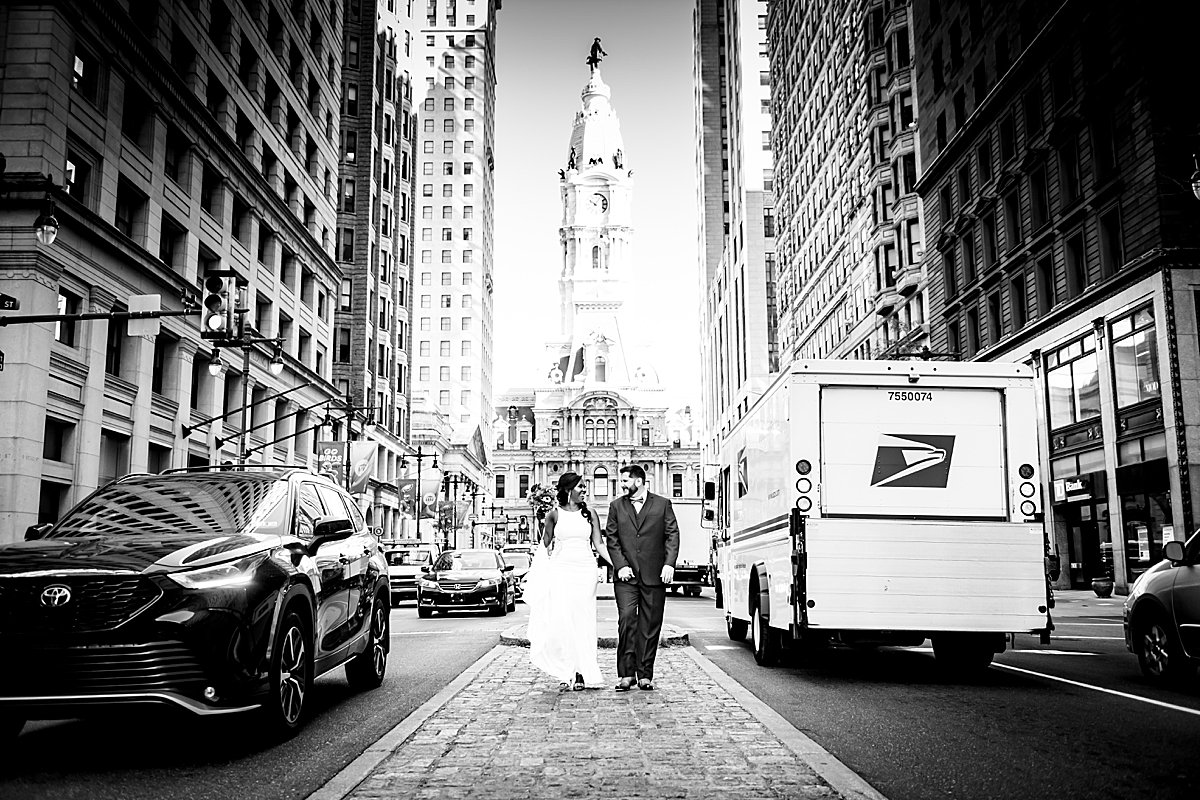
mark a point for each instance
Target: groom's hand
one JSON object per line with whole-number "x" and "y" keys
{"x": 668, "y": 573}
{"x": 625, "y": 574}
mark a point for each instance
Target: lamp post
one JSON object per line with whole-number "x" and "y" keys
{"x": 368, "y": 427}
{"x": 420, "y": 456}
{"x": 475, "y": 492}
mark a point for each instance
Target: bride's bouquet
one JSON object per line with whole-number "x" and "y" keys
{"x": 541, "y": 500}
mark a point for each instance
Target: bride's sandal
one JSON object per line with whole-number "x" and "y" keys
{"x": 564, "y": 687}
{"x": 578, "y": 682}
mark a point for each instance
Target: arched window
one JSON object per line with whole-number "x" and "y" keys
{"x": 597, "y": 261}
{"x": 600, "y": 371}
{"x": 612, "y": 431}
{"x": 600, "y": 482}
{"x": 589, "y": 432}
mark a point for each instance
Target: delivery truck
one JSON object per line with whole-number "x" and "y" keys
{"x": 693, "y": 565}
{"x": 884, "y": 503}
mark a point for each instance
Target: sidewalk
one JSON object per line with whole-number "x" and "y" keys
{"x": 502, "y": 730}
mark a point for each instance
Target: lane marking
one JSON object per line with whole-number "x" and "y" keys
{"x": 721, "y": 647}
{"x": 1126, "y": 695}
{"x": 1055, "y": 652}
{"x": 1090, "y": 638}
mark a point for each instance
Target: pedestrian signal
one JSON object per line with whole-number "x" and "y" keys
{"x": 217, "y": 317}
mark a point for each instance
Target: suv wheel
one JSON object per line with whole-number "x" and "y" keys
{"x": 1158, "y": 651}
{"x": 366, "y": 670}
{"x": 291, "y": 676}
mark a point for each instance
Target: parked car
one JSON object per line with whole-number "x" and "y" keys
{"x": 1162, "y": 614}
{"x": 464, "y": 580}
{"x": 209, "y": 591}
{"x": 521, "y": 560}
{"x": 405, "y": 560}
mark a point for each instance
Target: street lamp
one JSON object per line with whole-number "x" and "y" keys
{"x": 420, "y": 456}
{"x": 214, "y": 363}
{"x": 46, "y": 224}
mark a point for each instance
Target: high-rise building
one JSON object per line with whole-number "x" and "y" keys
{"x": 174, "y": 138}
{"x": 848, "y": 232}
{"x": 1063, "y": 234}
{"x": 372, "y": 332}
{"x": 597, "y": 405}
{"x": 739, "y": 345}
{"x": 455, "y": 209}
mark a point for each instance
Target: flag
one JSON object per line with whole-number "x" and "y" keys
{"x": 362, "y": 465}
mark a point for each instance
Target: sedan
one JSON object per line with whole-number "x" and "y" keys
{"x": 467, "y": 579}
{"x": 211, "y": 592}
{"x": 1162, "y": 614}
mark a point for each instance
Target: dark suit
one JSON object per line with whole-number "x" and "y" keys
{"x": 645, "y": 543}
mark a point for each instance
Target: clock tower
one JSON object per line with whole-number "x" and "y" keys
{"x": 597, "y": 192}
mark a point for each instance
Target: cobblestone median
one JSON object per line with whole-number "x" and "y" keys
{"x": 511, "y": 734}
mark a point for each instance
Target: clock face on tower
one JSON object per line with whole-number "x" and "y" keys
{"x": 599, "y": 201}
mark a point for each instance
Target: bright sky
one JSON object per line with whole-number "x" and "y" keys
{"x": 541, "y": 47}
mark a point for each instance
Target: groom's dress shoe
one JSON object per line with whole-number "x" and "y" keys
{"x": 646, "y": 684}
{"x": 625, "y": 684}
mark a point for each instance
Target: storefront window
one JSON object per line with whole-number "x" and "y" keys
{"x": 1074, "y": 383}
{"x": 1135, "y": 358}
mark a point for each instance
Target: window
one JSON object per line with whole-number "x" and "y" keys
{"x": 989, "y": 240}
{"x": 85, "y": 77}
{"x": 523, "y": 480}
{"x": 1076, "y": 265}
{"x": 1073, "y": 383}
{"x": 78, "y": 173}
{"x": 175, "y": 157}
{"x": 1017, "y": 301}
{"x": 444, "y": 349}
{"x": 1068, "y": 172}
{"x": 993, "y": 318}
{"x": 1039, "y": 198}
{"x": 1008, "y": 138}
{"x": 130, "y": 216}
{"x": 1045, "y": 284}
{"x": 116, "y": 345}
{"x": 1135, "y": 357}
{"x": 466, "y": 348}
{"x": 1031, "y": 104}
{"x": 983, "y": 161}
{"x": 1112, "y": 255}
{"x": 1012, "y": 220}
{"x": 210, "y": 191}
{"x": 676, "y": 485}
{"x": 444, "y": 398}
{"x": 137, "y": 118}
{"x": 499, "y": 487}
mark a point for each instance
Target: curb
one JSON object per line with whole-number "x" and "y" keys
{"x": 841, "y": 778}
{"x": 670, "y": 637}
{"x": 361, "y": 768}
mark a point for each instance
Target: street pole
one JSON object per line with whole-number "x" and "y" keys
{"x": 349, "y": 436}
{"x": 245, "y": 383}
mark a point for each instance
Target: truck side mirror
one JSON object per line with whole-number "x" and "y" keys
{"x": 710, "y": 490}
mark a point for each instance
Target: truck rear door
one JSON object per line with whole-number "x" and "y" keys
{"x": 927, "y": 452}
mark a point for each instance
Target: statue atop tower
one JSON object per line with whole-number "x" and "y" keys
{"x": 597, "y": 55}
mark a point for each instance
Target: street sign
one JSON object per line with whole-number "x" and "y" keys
{"x": 1, "y": 361}
{"x": 144, "y": 327}
{"x": 9, "y": 303}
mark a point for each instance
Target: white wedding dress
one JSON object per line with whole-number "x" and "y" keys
{"x": 561, "y": 595}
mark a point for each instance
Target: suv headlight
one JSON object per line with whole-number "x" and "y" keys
{"x": 486, "y": 582}
{"x": 231, "y": 573}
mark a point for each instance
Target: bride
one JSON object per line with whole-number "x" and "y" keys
{"x": 561, "y": 590}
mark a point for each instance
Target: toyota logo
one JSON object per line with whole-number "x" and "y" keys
{"x": 56, "y": 595}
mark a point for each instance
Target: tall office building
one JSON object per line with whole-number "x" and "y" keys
{"x": 455, "y": 204}
{"x": 1063, "y": 234}
{"x": 173, "y": 138}
{"x": 739, "y": 345}
{"x": 371, "y": 361}
{"x": 848, "y": 233}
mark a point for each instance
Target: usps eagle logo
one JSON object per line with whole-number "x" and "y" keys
{"x": 913, "y": 460}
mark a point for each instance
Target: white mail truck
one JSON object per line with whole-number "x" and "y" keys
{"x": 884, "y": 503}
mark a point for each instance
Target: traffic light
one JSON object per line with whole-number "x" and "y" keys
{"x": 216, "y": 321}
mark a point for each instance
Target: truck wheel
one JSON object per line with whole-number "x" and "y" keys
{"x": 962, "y": 654}
{"x": 736, "y": 628}
{"x": 766, "y": 644}
{"x": 1159, "y": 655}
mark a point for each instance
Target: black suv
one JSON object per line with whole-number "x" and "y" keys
{"x": 213, "y": 591}
{"x": 1162, "y": 614}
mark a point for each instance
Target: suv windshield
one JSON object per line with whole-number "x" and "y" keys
{"x": 405, "y": 558}
{"x": 203, "y": 504}
{"x": 450, "y": 561}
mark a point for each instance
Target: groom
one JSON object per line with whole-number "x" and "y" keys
{"x": 643, "y": 542}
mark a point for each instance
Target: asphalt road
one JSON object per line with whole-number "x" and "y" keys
{"x": 913, "y": 733}
{"x": 178, "y": 757}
